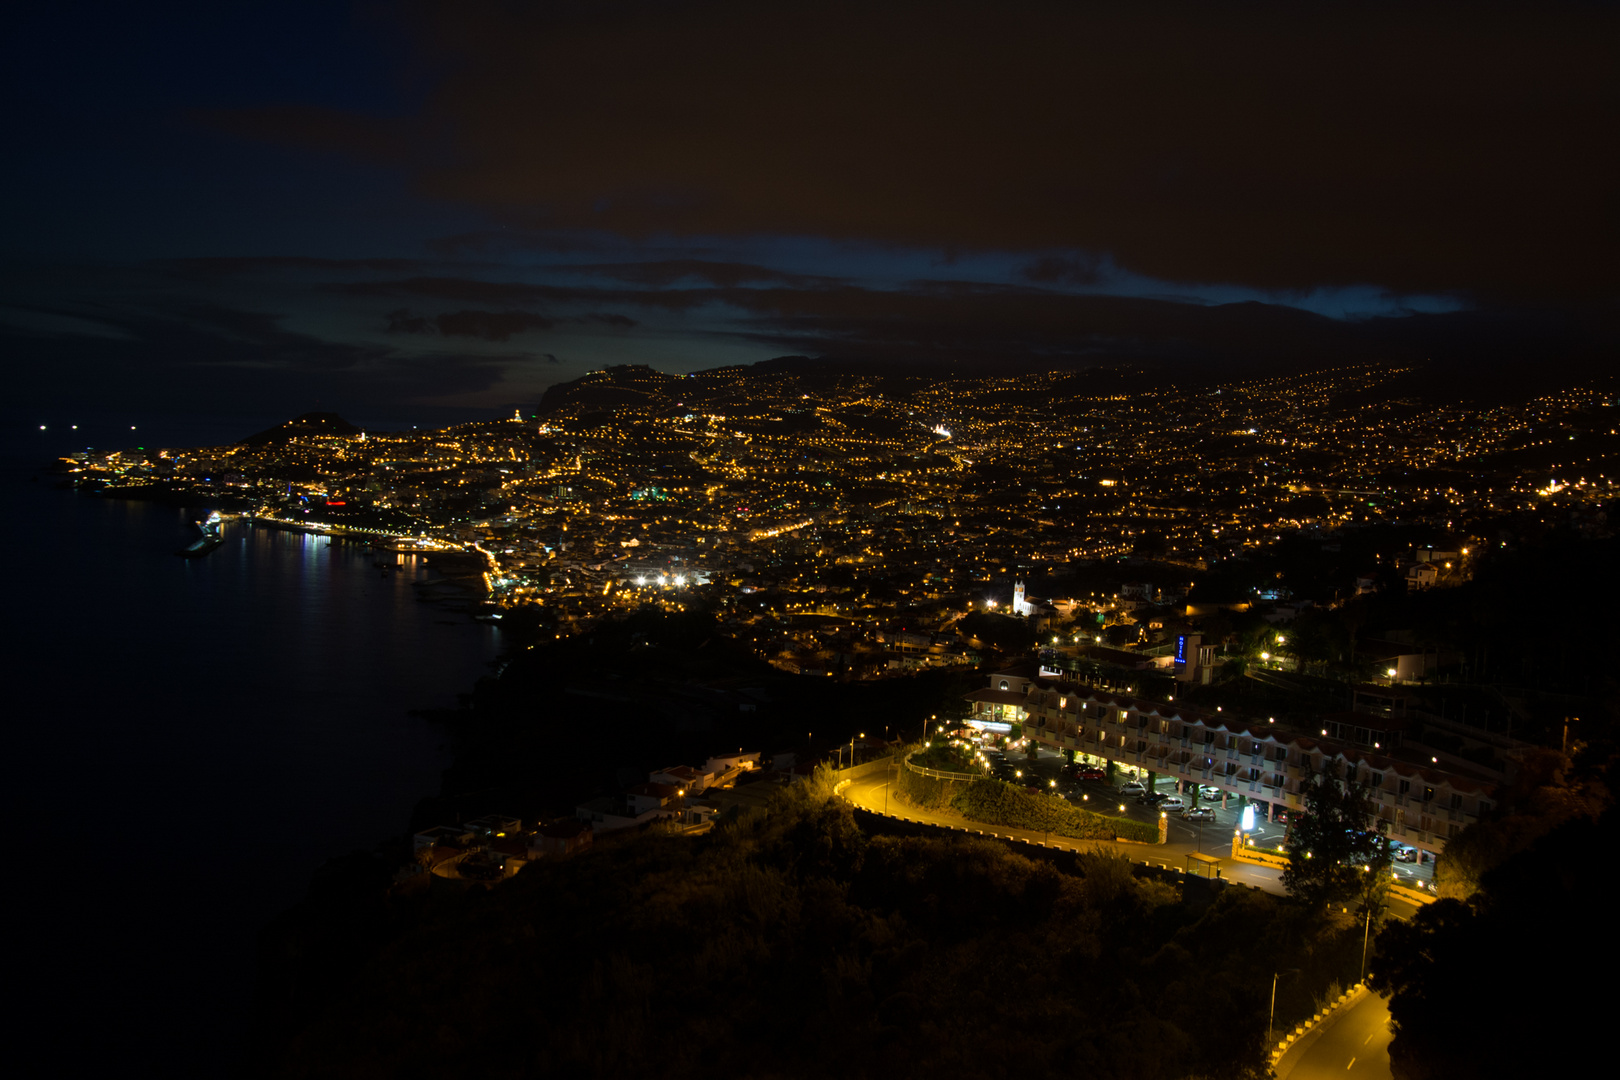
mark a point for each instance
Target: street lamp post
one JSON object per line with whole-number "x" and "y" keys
{"x": 1271, "y": 1021}
{"x": 1366, "y": 932}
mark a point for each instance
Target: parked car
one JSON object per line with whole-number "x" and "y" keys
{"x": 1198, "y": 813}
{"x": 1206, "y": 792}
{"x": 1151, "y": 798}
{"x": 1173, "y": 803}
{"x": 1132, "y": 787}
{"x": 1406, "y": 854}
{"x": 1091, "y": 772}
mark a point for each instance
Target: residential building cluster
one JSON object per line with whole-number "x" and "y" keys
{"x": 845, "y": 524}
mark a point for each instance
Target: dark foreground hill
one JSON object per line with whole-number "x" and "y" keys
{"x": 791, "y": 943}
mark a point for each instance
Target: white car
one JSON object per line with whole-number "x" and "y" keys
{"x": 1213, "y": 793}
{"x": 1172, "y": 803}
{"x": 1132, "y": 787}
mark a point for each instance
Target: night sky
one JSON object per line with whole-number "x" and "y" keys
{"x": 427, "y": 213}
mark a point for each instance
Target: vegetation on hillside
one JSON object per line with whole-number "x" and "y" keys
{"x": 996, "y": 803}
{"x": 1470, "y": 989}
{"x": 789, "y": 943}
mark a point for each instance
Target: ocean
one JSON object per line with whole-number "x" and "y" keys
{"x": 189, "y": 740}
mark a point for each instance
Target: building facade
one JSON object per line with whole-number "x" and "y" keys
{"x": 1421, "y": 800}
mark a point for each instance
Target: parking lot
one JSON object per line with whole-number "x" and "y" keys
{"x": 1045, "y": 772}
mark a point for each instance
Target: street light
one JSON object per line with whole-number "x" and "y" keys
{"x": 1271, "y": 1022}
{"x": 1366, "y": 932}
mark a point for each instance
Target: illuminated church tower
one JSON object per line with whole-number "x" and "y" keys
{"x": 1021, "y": 606}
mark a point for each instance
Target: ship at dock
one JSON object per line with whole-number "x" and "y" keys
{"x": 211, "y": 538}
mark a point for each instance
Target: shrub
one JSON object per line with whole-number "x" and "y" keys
{"x": 997, "y": 803}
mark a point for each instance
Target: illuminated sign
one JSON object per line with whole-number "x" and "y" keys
{"x": 991, "y": 725}
{"x": 1181, "y": 648}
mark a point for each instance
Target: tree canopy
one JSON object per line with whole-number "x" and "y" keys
{"x": 1468, "y": 979}
{"x": 1334, "y": 853}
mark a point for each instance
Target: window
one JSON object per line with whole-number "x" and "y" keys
{"x": 1377, "y": 779}
{"x": 1405, "y": 786}
{"x": 1456, "y": 802}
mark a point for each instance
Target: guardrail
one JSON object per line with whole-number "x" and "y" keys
{"x": 855, "y": 772}
{"x": 1305, "y": 1027}
{"x": 939, "y": 774}
{"x": 1278, "y": 861}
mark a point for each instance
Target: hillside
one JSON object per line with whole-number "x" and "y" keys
{"x": 307, "y": 425}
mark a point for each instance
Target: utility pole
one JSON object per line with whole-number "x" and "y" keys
{"x": 1271, "y": 1021}
{"x": 1366, "y": 932}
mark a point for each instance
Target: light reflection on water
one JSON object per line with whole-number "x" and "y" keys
{"x": 192, "y": 738}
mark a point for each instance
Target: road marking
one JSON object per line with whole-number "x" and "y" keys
{"x": 1368, "y": 1039}
{"x": 1352, "y": 1062}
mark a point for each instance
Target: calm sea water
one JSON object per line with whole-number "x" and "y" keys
{"x": 189, "y": 740}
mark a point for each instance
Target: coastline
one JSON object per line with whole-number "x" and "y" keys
{"x": 285, "y": 737}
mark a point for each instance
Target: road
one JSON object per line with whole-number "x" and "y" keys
{"x": 870, "y": 793}
{"x": 1185, "y": 838}
{"x": 1353, "y": 1044}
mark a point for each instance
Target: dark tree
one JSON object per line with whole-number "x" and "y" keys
{"x": 1443, "y": 969}
{"x": 1333, "y": 848}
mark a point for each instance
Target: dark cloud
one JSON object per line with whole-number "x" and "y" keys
{"x": 1029, "y": 329}
{"x": 202, "y": 268}
{"x": 212, "y": 358}
{"x": 1063, "y": 270}
{"x": 1420, "y": 148}
{"x": 488, "y": 325}
{"x": 473, "y": 290}
{"x": 502, "y": 242}
{"x": 403, "y": 322}
{"x": 550, "y": 358}
{"x": 726, "y": 274}
{"x": 1025, "y": 325}
{"x": 609, "y": 319}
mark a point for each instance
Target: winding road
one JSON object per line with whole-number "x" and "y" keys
{"x": 1352, "y": 1042}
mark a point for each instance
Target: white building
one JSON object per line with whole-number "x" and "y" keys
{"x": 1422, "y": 798}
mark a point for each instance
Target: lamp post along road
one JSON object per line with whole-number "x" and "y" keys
{"x": 1271, "y": 1021}
{"x": 1365, "y": 933}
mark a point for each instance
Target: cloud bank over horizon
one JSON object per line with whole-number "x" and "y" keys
{"x": 436, "y": 207}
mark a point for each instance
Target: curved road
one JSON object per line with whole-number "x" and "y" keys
{"x": 1353, "y": 1043}
{"x": 870, "y": 793}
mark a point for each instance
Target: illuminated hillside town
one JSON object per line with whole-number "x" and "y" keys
{"x": 847, "y": 524}
{"x": 1253, "y": 632}
{"x": 1134, "y": 548}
